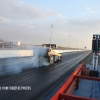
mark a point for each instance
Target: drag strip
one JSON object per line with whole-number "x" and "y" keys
{"x": 39, "y": 80}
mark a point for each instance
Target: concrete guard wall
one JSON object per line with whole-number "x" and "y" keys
{"x": 15, "y": 53}
{"x": 25, "y": 53}
{"x": 63, "y": 51}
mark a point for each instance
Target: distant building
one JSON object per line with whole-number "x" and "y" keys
{"x": 49, "y": 45}
{"x": 2, "y": 43}
{"x": 17, "y": 43}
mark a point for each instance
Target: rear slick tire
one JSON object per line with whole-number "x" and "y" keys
{"x": 51, "y": 59}
{"x": 60, "y": 58}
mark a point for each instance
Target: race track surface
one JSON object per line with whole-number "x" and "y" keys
{"x": 37, "y": 81}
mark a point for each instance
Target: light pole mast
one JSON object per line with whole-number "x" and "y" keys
{"x": 76, "y": 43}
{"x": 51, "y": 35}
{"x": 69, "y": 40}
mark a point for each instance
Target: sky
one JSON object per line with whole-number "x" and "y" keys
{"x": 29, "y": 21}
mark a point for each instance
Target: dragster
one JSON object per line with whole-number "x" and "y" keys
{"x": 53, "y": 56}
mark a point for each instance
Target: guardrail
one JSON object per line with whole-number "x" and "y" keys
{"x": 65, "y": 92}
{"x": 66, "y": 86}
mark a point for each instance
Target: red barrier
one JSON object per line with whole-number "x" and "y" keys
{"x": 69, "y": 84}
{"x": 65, "y": 92}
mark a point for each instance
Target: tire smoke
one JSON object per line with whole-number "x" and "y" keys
{"x": 16, "y": 65}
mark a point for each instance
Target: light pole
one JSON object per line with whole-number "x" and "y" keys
{"x": 83, "y": 45}
{"x": 69, "y": 41}
{"x": 51, "y": 35}
{"x": 80, "y": 44}
{"x": 76, "y": 43}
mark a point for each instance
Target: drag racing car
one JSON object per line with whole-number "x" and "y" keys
{"x": 53, "y": 56}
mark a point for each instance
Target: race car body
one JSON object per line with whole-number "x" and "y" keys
{"x": 53, "y": 56}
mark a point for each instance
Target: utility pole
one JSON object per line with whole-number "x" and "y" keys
{"x": 51, "y": 35}
{"x": 69, "y": 41}
{"x": 76, "y": 43}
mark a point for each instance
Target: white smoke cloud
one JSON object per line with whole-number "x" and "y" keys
{"x": 15, "y": 66}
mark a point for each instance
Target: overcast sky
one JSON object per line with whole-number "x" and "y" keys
{"x": 30, "y": 21}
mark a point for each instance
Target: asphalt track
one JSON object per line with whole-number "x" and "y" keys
{"x": 39, "y": 80}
